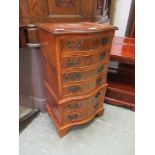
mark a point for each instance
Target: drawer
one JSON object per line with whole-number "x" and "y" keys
{"x": 85, "y": 60}
{"x": 83, "y": 104}
{"x": 83, "y": 74}
{"x": 106, "y": 39}
{"x": 85, "y": 87}
{"x": 83, "y": 108}
{"x": 76, "y": 116}
{"x": 85, "y": 43}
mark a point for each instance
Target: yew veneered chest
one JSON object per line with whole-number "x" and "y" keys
{"x": 75, "y": 58}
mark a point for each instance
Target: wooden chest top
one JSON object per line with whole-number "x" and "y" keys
{"x": 75, "y": 28}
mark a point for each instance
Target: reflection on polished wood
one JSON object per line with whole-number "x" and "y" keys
{"x": 123, "y": 50}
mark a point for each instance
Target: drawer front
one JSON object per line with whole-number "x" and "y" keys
{"x": 106, "y": 39}
{"x": 84, "y": 74}
{"x": 84, "y": 108}
{"x": 92, "y": 42}
{"x": 80, "y": 44}
{"x": 76, "y": 116}
{"x": 71, "y": 62}
{"x": 78, "y": 89}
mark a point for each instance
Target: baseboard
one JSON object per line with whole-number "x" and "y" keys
{"x": 26, "y": 120}
{"x": 33, "y": 102}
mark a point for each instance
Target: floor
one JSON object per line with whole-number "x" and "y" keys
{"x": 110, "y": 134}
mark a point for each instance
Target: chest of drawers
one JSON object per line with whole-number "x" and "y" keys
{"x": 75, "y": 59}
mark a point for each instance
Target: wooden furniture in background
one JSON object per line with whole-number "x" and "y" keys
{"x": 32, "y": 12}
{"x": 32, "y": 34}
{"x": 121, "y": 88}
{"x": 76, "y": 60}
{"x": 36, "y": 11}
{"x": 22, "y": 37}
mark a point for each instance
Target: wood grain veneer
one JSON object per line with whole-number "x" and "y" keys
{"x": 75, "y": 74}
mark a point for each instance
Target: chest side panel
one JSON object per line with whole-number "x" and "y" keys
{"x": 48, "y": 46}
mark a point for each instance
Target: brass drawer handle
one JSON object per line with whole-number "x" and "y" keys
{"x": 74, "y": 88}
{"x": 98, "y": 94}
{"x": 73, "y": 106}
{"x": 100, "y": 69}
{"x": 73, "y": 76}
{"x": 72, "y": 116}
{"x": 105, "y": 40}
{"x": 102, "y": 55}
{"x": 74, "y": 45}
{"x": 73, "y": 62}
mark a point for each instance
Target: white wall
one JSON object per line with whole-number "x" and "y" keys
{"x": 120, "y": 10}
{"x": 119, "y": 14}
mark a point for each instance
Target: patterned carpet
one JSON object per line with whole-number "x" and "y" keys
{"x": 110, "y": 134}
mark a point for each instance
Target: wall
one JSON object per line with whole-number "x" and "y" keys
{"x": 130, "y": 30}
{"x": 119, "y": 14}
{"x": 31, "y": 88}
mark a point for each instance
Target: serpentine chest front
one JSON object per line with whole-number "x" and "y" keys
{"x": 75, "y": 58}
